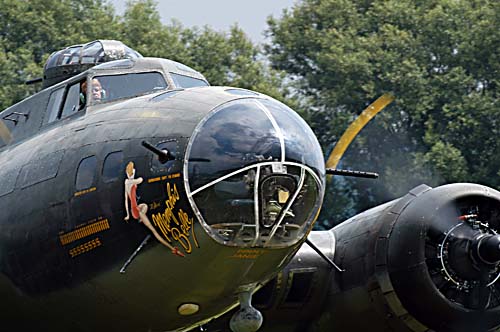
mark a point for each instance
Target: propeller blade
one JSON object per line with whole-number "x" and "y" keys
{"x": 355, "y": 127}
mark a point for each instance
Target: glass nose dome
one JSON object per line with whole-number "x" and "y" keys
{"x": 254, "y": 174}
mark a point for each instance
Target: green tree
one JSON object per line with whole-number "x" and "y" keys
{"x": 225, "y": 58}
{"x": 31, "y": 30}
{"x": 439, "y": 58}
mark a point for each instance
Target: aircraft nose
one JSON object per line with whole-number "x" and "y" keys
{"x": 255, "y": 174}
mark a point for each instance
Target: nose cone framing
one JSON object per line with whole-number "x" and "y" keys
{"x": 254, "y": 174}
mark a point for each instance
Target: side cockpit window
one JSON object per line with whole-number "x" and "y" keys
{"x": 72, "y": 101}
{"x": 54, "y": 105}
{"x": 113, "y": 87}
{"x": 182, "y": 81}
{"x": 66, "y": 101}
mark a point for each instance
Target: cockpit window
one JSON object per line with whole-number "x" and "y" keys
{"x": 54, "y": 105}
{"x": 115, "y": 87}
{"x": 73, "y": 102}
{"x": 182, "y": 81}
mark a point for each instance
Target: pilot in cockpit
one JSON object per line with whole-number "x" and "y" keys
{"x": 97, "y": 92}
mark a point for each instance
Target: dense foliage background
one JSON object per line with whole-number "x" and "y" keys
{"x": 328, "y": 59}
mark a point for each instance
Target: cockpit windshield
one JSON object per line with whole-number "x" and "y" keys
{"x": 112, "y": 87}
{"x": 182, "y": 81}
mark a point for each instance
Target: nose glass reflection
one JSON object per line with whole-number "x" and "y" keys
{"x": 252, "y": 183}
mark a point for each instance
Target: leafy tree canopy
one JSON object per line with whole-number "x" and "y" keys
{"x": 440, "y": 59}
{"x": 31, "y": 30}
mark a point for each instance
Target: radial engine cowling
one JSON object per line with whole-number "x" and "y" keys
{"x": 429, "y": 261}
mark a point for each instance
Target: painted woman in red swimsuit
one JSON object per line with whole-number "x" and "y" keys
{"x": 139, "y": 211}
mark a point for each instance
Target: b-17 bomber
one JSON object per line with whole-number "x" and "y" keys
{"x": 137, "y": 197}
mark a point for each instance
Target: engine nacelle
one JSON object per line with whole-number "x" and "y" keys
{"x": 428, "y": 261}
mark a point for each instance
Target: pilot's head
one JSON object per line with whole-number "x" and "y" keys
{"x": 96, "y": 89}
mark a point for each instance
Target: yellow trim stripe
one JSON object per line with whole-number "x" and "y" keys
{"x": 84, "y": 232}
{"x": 154, "y": 180}
{"x": 356, "y": 127}
{"x": 86, "y": 191}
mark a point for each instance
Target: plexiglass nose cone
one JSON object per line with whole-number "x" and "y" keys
{"x": 255, "y": 174}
